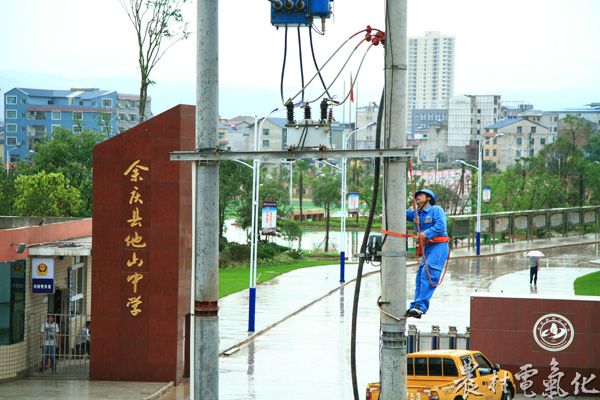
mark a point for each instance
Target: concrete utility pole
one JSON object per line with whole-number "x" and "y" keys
{"x": 393, "y": 267}
{"x": 206, "y": 320}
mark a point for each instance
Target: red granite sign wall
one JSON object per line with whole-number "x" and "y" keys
{"x": 550, "y": 345}
{"x": 141, "y": 251}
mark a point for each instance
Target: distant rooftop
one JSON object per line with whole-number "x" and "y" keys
{"x": 503, "y": 123}
{"x": 83, "y": 93}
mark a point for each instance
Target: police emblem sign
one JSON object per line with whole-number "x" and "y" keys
{"x": 42, "y": 275}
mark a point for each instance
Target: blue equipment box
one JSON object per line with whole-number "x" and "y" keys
{"x": 298, "y": 12}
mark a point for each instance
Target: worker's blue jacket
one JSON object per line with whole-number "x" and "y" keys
{"x": 432, "y": 221}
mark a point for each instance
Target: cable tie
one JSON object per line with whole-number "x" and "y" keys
{"x": 392, "y": 253}
{"x": 402, "y": 67}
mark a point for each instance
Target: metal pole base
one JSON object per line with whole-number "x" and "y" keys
{"x": 252, "y": 309}
{"x": 342, "y": 266}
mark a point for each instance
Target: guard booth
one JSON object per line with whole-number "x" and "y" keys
{"x": 42, "y": 273}
{"x": 67, "y": 304}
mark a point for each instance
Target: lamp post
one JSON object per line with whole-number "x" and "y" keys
{"x": 8, "y": 158}
{"x": 291, "y": 180}
{"x": 254, "y": 233}
{"x": 479, "y": 170}
{"x": 345, "y": 138}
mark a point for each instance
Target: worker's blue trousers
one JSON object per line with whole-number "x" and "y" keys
{"x": 435, "y": 256}
{"x": 423, "y": 289}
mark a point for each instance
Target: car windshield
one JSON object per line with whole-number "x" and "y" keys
{"x": 484, "y": 366}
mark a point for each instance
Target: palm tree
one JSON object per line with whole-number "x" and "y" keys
{"x": 326, "y": 192}
{"x": 301, "y": 168}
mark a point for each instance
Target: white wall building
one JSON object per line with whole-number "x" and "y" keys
{"x": 364, "y": 138}
{"x": 521, "y": 138}
{"x": 468, "y": 116}
{"x": 430, "y": 71}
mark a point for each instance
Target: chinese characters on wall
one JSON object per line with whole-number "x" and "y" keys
{"x": 553, "y": 387}
{"x": 135, "y": 243}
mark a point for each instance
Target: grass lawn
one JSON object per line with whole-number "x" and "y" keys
{"x": 588, "y": 285}
{"x": 233, "y": 280}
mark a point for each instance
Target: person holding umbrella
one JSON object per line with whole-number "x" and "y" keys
{"x": 534, "y": 257}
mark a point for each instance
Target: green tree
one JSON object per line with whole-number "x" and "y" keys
{"x": 446, "y": 197}
{"x": 301, "y": 169}
{"x": 70, "y": 155}
{"x": 46, "y": 194}
{"x": 524, "y": 187}
{"x": 326, "y": 193}
{"x": 235, "y": 190}
{"x": 154, "y": 21}
{"x": 7, "y": 193}
{"x": 593, "y": 147}
{"x": 357, "y": 169}
{"x": 273, "y": 188}
{"x": 576, "y": 130}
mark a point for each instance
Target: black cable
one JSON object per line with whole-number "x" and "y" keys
{"x": 301, "y": 66}
{"x": 329, "y": 59}
{"x": 342, "y": 69}
{"x": 312, "y": 50}
{"x": 363, "y": 250}
{"x": 302, "y": 138}
{"x": 283, "y": 66}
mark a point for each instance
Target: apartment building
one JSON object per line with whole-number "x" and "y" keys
{"x": 364, "y": 138}
{"x": 32, "y": 114}
{"x": 128, "y": 111}
{"x": 430, "y": 72}
{"x": 521, "y": 137}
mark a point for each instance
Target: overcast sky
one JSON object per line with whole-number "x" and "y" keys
{"x": 541, "y": 51}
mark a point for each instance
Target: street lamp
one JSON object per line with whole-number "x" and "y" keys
{"x": 291, "y": 162}
{"x": 254, "y": 233}
{"x": 479, "y": 169}
{"x": 8, "y": 158}
{"x": 345, "y": 138}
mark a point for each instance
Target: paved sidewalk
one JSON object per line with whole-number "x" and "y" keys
{"x": 45, "y": 389}
{"x": 277, "y": 300}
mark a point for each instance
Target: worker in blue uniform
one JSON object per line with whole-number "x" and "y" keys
{"x": 430, "y": 226}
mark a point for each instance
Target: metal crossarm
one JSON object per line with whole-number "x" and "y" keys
{"x": 218, "y": 155}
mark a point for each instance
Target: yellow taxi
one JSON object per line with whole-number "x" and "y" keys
{"x": 453, "y": 375}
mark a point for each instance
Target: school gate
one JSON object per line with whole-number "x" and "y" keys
{"x": 551, "y": 344}
{"x": 141, "y": 249}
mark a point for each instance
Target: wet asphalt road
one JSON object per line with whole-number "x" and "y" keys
{"x": 308, "y": 355}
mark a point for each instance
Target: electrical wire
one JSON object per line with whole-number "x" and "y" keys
{"x": 312, "y": 51}
{"x": 283, "y": 66}
{"x": 301, "y": 66}
{"x": 314, "y": 28}
{"x": 331, "y": 57}
{"x": 342, "y": 70}
{"x": 363, "y": 250}
{"x": 355, "y": 77}
{"x": 302, "y": 139}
